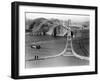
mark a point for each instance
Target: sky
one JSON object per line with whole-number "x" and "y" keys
{"x": 73, "y": 17}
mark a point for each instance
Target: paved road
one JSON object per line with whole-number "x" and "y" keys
{"x": 51, "y": 46}
{"x": 58, "y": 61}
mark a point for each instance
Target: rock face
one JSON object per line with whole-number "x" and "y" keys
{"x": 42, "y": 26}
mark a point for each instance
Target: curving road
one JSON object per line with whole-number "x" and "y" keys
{"x": 61, "y": 51}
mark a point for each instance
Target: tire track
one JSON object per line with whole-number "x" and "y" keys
{"x": 84, "y": 50}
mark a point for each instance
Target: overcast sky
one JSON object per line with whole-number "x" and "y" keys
{"x": 73, "y": 17}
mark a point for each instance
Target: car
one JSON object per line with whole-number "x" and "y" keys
{"x": 35, "y": 46}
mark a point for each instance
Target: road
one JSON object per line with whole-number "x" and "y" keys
{"x": 49, "y": 46}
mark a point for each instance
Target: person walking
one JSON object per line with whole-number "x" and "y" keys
{"x": 72, "y": 34}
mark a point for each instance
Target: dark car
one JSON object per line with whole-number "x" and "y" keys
{"x": 35, "y": 46}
